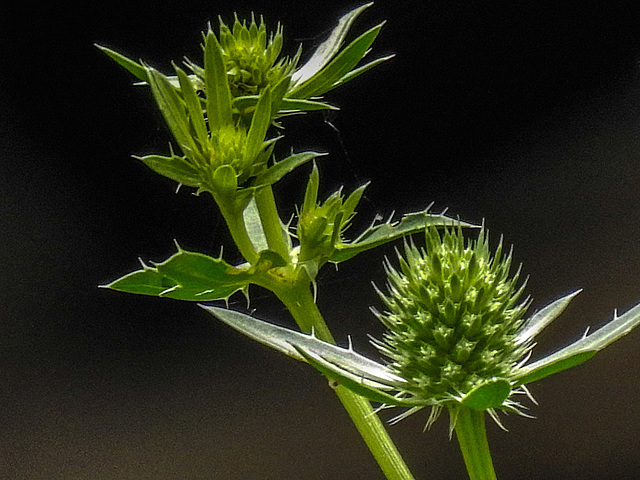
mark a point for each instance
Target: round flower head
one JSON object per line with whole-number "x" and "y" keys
{"x": 453, "y": 318}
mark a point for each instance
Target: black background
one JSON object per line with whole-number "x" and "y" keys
{"x": 523, "y": 114}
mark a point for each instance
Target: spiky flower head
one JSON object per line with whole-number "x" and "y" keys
{"x": 251, "y": 59}
{"x": 453, "y": 317}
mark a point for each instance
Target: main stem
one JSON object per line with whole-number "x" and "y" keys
{"x": 472, "y": 436}
{"x": 302, "y": 306}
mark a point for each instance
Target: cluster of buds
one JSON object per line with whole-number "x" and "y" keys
{"x": 321, "y": 225}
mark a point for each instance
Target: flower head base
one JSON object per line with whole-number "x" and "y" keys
{"x": 250, "y": 58}
{"x": 452, "y": 319}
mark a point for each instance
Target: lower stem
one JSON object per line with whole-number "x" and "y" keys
{"x": 302, "y": 306}
{"x": 472, "y": 436}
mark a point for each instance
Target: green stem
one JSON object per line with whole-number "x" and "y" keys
{"x": 237, "y": 228}
{"x": 271, "y": 223}
{"x": 472, "y": 436}
{"x": 300, "y": 302}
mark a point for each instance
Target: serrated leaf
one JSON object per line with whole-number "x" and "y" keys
{"x": 581, "y": 350}
{"x": 380, "y": 234}
{"x": 174, "y": 167}
{"x": 186, "y": 276}
{"x": 329, "y": 48}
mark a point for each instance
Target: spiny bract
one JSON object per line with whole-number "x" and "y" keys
{"x": 453, "y": 315}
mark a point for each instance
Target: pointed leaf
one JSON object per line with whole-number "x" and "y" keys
{"x": 217, "y": 84}
{"x": 286, "y": 107}
{"x": 360, "y": 70}
{"x": 277, "y": 171}
{"x": 581, "y": 350}
{"x": 289, "y": 341}
{"x": 259, "y": 125}
{"x": 544, "y": 317}
{"x": 340, "y": 66}
{"x": 172, "y": 108}
{"x": 354, "y": 383}
{"x": 186, "y": 276}
{"x": 195, "y": 109}
{"x": 377, "y": 235}
{"x": 132, "y": 67}
{"x": 174, "y": 167}
{"x": 329, "y": 48}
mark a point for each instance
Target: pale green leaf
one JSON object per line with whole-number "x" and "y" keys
{"x": 289, "y": 341}
{"x": 346, "y": 60}
{"x": 534, "y": 325}
{"x": 581, "y": 350}
{"x": 329, "y": 48}
{"x": 380, "y": 234}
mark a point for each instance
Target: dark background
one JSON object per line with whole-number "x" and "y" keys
{"x": 524, "y": 114}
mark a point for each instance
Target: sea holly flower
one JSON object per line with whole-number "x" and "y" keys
{"x": 457, "y": 337}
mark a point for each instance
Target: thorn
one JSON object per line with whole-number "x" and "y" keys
{"x": 169, "y": 290}
{"x": 492, "y": 413}
{"x": 144, "y": 265}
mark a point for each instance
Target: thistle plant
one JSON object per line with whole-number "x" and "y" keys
{"x": 457, "y": 333}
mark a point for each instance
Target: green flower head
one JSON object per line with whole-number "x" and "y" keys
{"x": 453, "y": 317}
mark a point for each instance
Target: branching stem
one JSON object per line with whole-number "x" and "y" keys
{"x": 302, "y": 306}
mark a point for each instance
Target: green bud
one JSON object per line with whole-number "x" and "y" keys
{"x": 250, "y": 59}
